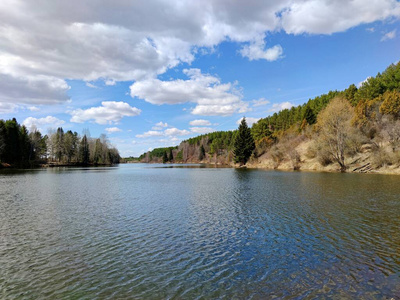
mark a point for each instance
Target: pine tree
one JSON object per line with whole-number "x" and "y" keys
{"x": 165, "y": 157}
{"x": 202, "y": 153}
{"x": 243, "y": 144}
{"x": 309, "y": 115}
{"x": 84, "y": 151}
{"x": 59, "y": 143}
{"x": 171, "y": 156}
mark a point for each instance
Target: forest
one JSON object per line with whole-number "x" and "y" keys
{"x": 22, "y": 148}
{"x": 335, "y": 126}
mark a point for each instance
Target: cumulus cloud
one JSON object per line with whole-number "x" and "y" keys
{"x": 200, "y": 123}
{"x": 110, "y": 112}
{"x": 170, "y": 140}
{"x": 257, "y": 50}
{"x": 33, "y": 108}
{"x": 110, "y": 82}
{"x": 37, "y": 89}
{"x": 201, "y": 130}
{"x": 220, "y": 110}
{"x": 113, "y": 129}
{"x": 176, "y": 131}
{"x": 327, "y": 17}
{"x": 130, "y": 40}
{"x": 167, "y": 132}
{"x": 47, "y": 122}
{"x": 389, "y": 36}
{"x": 281, "y": 106}
{"x": 211, "y": 96}
{"x": 249, "y": 120}
{"x": 150, "y": 133}
{"x": 160, "y": 126}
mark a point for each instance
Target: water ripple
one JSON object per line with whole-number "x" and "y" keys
{"x": 175, "y": 233}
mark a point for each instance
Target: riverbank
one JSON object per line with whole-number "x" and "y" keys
{"x": 50, "y": 165}
{"x": 364, "y": 162}
{"x": 367, "y": 160}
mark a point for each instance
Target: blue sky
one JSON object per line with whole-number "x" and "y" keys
{"x": 153, "y": 74}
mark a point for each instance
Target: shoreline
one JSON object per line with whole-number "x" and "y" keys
{"x": 6, "y": 166}
{"x": 262, "y": 165}
{"x": 332, "y": 168}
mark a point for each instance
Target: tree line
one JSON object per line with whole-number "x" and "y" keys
{"x": 340, "y": 124}
{"x": 22, "y": 148}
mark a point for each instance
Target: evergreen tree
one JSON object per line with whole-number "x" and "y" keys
{"x": 24, "y": 144}
{"x": 165, "y": 157}
{"x": 59, "y": 143}
{"x": 309, "y": 115}
{"x": 70, "y": 144}
{"x": 171, "y": 156}
{"x": 12, "y": 144}
{"x": 350, "y": 93}
{"x": 98, "y": 152}
{"x": 84, "y": 151}
{"x": 202, "y": 153}
{"x": 261, "y": 129}
{"x": 243, "y": 144}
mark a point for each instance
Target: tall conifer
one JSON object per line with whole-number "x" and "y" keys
{"x": 243, "y": 144}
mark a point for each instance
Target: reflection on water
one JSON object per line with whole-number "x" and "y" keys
{"x": 140, "y": 231}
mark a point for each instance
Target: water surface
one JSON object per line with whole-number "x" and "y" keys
{"x": 149, "y": 232}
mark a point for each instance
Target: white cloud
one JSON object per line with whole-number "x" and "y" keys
{"x": 110, "y": 82}
{"x": 201, "y": 130}
{"x": 48, "y": 122}
{"x": 200, "y": 123}
{"x": 150, "y": 133}
{"x": 260, "y": 102}
{"x": 167, "y": 132}
{"x": 170, "y": 140}
{"x": 257, "y": 50}
{"x": 176, "y": 131}
{"x": 389, "y": 36}
{"x": 281, "y": 106}
{"x": 133, "y": 41}
{"x": 220, "y": 110}
{"x": 211, "y": 96}
{"x": 110, "y": 112}
{"x": 160, "y": 126}
{"x": 7, "y": 108}
{"x": 113, "y": 129}
{"x": 92, "y": 86}
{"x": 249, "y": 120}
{"x": 38, "y": 89}
{"x": 33, "y": 108}
{"x": 327, "y": 17}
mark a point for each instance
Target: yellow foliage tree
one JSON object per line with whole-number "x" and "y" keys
{"x": 334, "y": 126}
{"x": 391, "y": 104}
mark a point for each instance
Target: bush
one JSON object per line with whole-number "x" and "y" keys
{"x": 277, "y": 155}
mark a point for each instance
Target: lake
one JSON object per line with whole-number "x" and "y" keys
{"x": 140, "y": 231}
